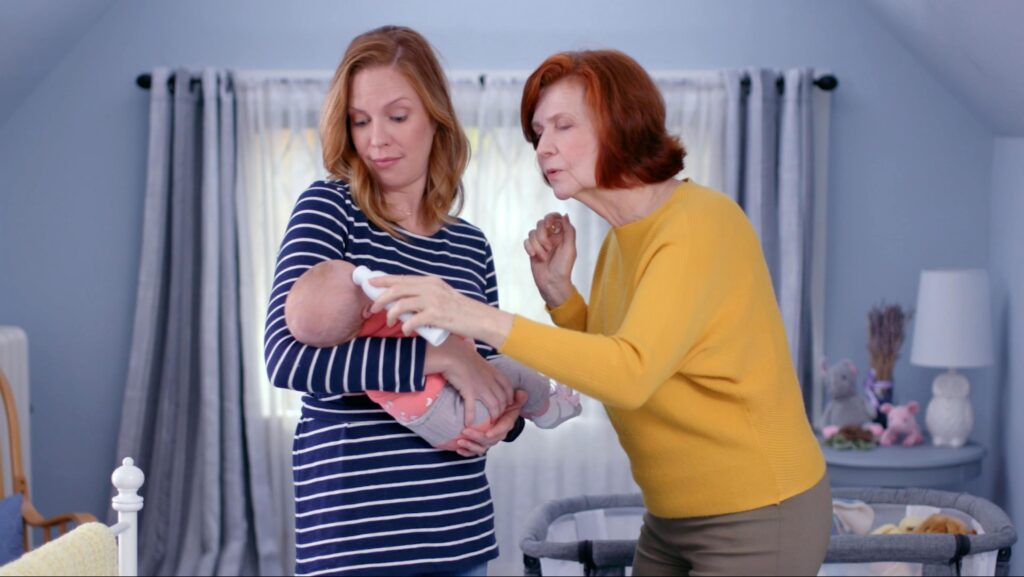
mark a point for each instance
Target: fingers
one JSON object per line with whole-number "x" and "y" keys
{"x": 535, "y": 248}
{"x": 393, "y": 293}
{"x": 491, "y": 398}
{"x": 475, "y": 439}
{"x": 469, "y": 400}
{"x": 387, "y": 281}
{"x": 543, "y": 239}
{"x": 569, "y": 231}
{"x": 502, "y": 425}
{"x": 507, "y": 392}
{"x": 474, "y": 436}
{"x": 410, "y": 311}
{"x": 471, "y": 449}
{"x": 553, "y": 223}
{"x": 399, "y": 287}
{"x": 548, "y": 229}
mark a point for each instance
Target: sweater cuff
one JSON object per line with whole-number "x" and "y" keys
{"x": 517, "y": 430}
{"x": 571, "y": 313}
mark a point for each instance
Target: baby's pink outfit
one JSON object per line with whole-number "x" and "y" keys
{"x": 437, "y": 413}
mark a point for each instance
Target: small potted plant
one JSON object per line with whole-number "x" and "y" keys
{"x": 887, "y": 326}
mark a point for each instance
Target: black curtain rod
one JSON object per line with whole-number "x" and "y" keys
{"x": 145, "y": 82}
{"x": 827, "y": 82}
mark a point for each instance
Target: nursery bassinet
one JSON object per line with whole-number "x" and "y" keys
{"x": 583, "y": 530}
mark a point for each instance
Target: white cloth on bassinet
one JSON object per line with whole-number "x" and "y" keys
{"x": 979, "y": 564}
{"x": 89, "y": 549}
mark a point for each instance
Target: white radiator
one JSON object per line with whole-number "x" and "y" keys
{"x": 14, "y": 362}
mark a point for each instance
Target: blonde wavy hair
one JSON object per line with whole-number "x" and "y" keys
{"x": 410, "y": 54}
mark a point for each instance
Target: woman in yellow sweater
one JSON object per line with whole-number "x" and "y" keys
{"x": 682, "y": 339}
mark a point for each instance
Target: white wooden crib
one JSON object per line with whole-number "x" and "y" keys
{"x": 87, "y": 549}
{"x": 127, "y": 479}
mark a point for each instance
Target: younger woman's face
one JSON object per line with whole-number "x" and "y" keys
{"x": 391, "y": 129}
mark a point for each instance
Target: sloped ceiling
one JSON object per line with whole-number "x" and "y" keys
{"x": 974, "y": 47}
{"x": 34, "y": 37}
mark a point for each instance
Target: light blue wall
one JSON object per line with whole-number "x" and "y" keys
{"x": 910, "y": 167}
{"x": 1008, "y": 290}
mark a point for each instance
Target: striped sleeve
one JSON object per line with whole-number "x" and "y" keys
{"x": 491, "y": 296}
{"x": 318, "y": 231}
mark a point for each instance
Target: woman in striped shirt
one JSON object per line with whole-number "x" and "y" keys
{"x": 371, "y": 496}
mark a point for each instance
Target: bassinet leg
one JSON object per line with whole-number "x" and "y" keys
{"x": 1003, "y": 561}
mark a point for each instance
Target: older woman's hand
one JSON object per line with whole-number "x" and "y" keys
{"x": 432, "y": 302}
{"x": 472, "y": 376}
{"x": 552, "y": 249}
{"x": 477, "y": 443}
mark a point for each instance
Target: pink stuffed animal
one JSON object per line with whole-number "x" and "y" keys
{"x": 901, "y": 421}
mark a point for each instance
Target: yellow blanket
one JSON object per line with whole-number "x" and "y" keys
{"x": 89, "y": 549}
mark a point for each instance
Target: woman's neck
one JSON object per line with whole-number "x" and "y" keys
{"x": 405, "y": 209}
{"x": 623, "y": 206}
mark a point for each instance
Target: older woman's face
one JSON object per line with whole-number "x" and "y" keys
{"x": 567, "y": 142}
{"x": 391, "y": 129}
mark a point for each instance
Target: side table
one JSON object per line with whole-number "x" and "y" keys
{"x": 920, "y": 466}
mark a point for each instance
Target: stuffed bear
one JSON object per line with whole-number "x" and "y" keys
{"x": 944, "y": 525}
{"x": 937, "y": 524}
{"x": 846, "y": 407}
{"x": 901, "y": 422}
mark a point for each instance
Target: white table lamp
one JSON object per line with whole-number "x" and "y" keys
{"x": 952, "y": 330}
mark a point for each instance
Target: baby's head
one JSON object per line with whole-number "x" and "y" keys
{"x": 326, "y": 307}
{"x": 353, "y": 306}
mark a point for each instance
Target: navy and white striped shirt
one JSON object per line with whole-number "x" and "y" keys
{"x": 371, "y": 497}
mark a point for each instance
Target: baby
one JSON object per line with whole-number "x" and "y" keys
{"x": 437, "y": 413}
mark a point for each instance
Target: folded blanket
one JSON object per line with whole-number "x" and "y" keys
{"x": 854, "y": 517}
{"x": 89, "y": 549}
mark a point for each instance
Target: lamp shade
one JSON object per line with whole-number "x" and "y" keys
{"x": 953, "y": 321}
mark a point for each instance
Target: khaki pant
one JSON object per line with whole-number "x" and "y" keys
{"x": 786, "y": 539}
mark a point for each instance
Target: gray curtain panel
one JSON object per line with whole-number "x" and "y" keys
{"x": 184, "y": 416}
{"x": 770, "y": 170}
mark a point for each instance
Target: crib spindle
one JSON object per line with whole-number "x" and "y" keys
{"x": 127, "y": 479}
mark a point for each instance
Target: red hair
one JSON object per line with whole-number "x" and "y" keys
{"x": 628, "y": 111}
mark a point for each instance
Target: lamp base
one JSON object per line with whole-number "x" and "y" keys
{"x": 950, "y": 417}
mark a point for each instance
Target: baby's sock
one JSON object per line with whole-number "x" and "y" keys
{"x": 563, "y": 404}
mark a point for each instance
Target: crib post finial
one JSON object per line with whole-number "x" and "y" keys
{"x": 128, "y": 479}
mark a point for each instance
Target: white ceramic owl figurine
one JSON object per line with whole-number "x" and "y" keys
{"x": 950, "y": 417}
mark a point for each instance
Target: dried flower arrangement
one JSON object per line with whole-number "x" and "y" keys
{"x": 886, "y": 329}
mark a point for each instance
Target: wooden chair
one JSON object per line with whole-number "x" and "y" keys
{"x": 31, "y": 518}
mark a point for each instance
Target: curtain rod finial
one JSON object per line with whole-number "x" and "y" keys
{"x": 827, "y": 82}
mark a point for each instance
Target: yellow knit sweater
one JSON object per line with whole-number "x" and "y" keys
{"x": 684, "y": 344}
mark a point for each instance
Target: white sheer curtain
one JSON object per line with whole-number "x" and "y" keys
{"x": 278, "y": 157}
{"x": 279, "y": 154}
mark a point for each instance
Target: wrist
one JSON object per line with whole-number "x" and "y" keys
{"x": 495, "y": 326}
{"x": 438, "y": 359}
{"x": 556, "y": 294}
